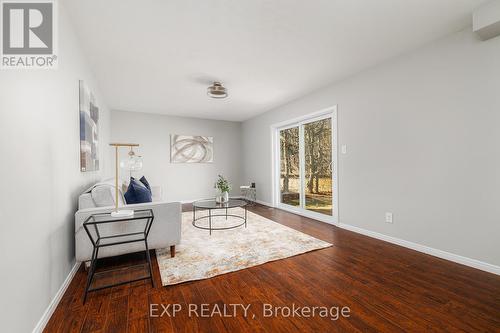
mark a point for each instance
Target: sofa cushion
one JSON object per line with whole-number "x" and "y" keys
{"x": 156, "y": 193}
{"x": 85, "y": 201}
{"x": 137, "y": 193}
{"x": 103, "y": 195}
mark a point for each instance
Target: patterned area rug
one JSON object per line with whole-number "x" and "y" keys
{"x": 200, "y": 256}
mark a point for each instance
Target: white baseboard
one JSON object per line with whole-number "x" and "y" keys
{"x": 425, "y": 249}
{"x": 417, "y": 247}
{"x": 55, "y": 301}
{"x": 264, "y": 203}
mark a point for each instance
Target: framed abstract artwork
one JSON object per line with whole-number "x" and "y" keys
{"x": 89, "y": 130}
{"x": 191, "y": 149}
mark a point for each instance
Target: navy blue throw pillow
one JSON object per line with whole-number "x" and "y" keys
{"x": 145, "y": 182}
{"x": 137, "y": 193}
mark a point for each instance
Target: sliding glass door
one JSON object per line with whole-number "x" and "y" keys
{"x": 290, "y": 166}
{"x": 306, "y": 166}
{"x": 318, "y": 166}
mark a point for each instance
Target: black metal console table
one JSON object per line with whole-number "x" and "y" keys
{"x": 104, "y": 230}
{"x": 211, "y": 204}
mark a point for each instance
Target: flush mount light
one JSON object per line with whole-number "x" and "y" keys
{"x": 216, "y": 90}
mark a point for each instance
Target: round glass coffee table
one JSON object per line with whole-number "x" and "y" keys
{"x": 212, "y": 206}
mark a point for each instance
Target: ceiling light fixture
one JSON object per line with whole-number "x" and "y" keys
{"x": 216, "y": 90}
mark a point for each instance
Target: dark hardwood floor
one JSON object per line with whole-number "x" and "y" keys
{"x": 387, "y": 288}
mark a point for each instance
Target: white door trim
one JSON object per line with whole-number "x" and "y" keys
{"x": 330, "y": 112}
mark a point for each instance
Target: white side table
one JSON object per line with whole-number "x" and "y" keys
{"x": 249, "y": 194}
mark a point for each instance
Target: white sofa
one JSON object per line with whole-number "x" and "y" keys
{"x": 165, "y": 231}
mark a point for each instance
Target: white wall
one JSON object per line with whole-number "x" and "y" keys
{"x": 180, "y": 182}
{"x": 41, "y": 178}
{"x": 422, "y": 134}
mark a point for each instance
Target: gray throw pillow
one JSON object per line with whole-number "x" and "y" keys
{"x": 104, "y": 195}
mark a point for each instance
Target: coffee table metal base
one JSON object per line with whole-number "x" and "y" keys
{"x": 210, "y": 215}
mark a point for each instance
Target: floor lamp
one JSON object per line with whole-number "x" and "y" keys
{"x": 133, "y": 163}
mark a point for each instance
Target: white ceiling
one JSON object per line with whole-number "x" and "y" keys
{"x": 159, "y": 56}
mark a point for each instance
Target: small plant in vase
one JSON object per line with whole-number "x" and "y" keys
{"x": 224, "y": 187}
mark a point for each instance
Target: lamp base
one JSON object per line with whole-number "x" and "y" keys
{"x": 122, "y": 213}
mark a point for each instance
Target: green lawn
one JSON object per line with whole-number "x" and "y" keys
{"x": 321, "y": 203}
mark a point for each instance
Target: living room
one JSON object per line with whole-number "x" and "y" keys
{"x": 240, "y": 166}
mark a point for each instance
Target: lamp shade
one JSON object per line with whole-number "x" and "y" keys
{"x": 132, "y": 163}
